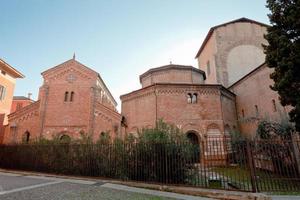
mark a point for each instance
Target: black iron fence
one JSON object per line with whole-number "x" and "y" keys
{"x": 217, "y": 162}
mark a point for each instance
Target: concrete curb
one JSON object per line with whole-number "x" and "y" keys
{"x": 201, "y": 192}
{"x": 211, "y": 193}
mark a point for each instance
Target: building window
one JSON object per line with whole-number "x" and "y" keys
{"x": 66, "y": 96}
{"x": 189, "y": 96}
{"x": 19, "y": 106}
{"x": 194, "y": 98}
{"x": 2, "y": 92}
{"x": 3, "y": 72}
{"x": 243, "y": 113}
{"x": 208, "y": 68}
{"x": 256, "y": 110}
{"x": 274, "y": 105}
{"x": 72, "y": 96}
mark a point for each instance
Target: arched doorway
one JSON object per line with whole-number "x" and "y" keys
{"x": 194, "y": 139}
{"x": 26, "y": 137}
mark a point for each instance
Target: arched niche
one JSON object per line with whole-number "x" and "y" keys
{"x": 65, "y": 138}
{"x": 26, "y": 137}
{"x": 241, "y": 60}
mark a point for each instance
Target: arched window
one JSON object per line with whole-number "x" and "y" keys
{"x": 189, "y": 96}
{"x": 274, "y": 105}
{"x": 243, "y": 113}
{"x": 66, "y": 95}
{"x": 72, "y": 96}
{"x": 256, "y": 110}
{"x": 194, "y": 98}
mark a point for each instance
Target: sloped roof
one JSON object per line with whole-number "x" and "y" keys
{"x": 9, "y": 69}
{"x": 61, "y": 65}
{"x": 172, "y": 66}
{"x": 211, "y": 30}
{"x": 21, "y": 98}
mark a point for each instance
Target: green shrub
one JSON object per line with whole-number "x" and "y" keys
{"x": 160, "y": 154}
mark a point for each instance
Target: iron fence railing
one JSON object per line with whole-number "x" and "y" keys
{"x": 217, "y": 162}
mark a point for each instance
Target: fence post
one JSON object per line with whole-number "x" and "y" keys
{"x": 296, "y": 151}
{"x": 251, "y": 166}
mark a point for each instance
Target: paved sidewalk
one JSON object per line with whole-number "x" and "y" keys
{"x": 28, "y": 187}
{"x": 282, "y": 197}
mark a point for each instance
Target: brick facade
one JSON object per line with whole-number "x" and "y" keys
{"x": 72, "y": 100}
{"x": 170, "y": 102}
{"x": 255, "y": 101}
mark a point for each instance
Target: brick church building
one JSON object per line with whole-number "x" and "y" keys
{"x": 229, "y": 91}
{"x": 73, "y": 100}
{"x": 177, "y": 94}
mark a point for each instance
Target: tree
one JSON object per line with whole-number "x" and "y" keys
{"x": 283, "y": 53}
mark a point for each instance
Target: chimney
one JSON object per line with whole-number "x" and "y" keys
{"x": 29, "y": 95}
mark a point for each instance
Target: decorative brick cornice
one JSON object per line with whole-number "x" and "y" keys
{"x": 175, "y": 88}
{"x": 68, "y": 63}
{"x": 144, "y": 92}
{"x": 106, "y": 112}
{"x": 66, "y": 71}
{"x": 63, "y": 126}
{"x": 200, "y": 91}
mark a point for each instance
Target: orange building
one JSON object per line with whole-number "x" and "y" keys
{"x": 8, "y": 76}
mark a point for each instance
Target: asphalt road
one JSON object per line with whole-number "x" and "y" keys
{"x": 19, "y": 187}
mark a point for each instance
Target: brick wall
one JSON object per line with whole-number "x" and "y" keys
{"x": 254, "y": 90}
{"x": 169, "y": 102}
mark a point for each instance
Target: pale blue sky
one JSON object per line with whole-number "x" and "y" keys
{"x": 119, "y": 39}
